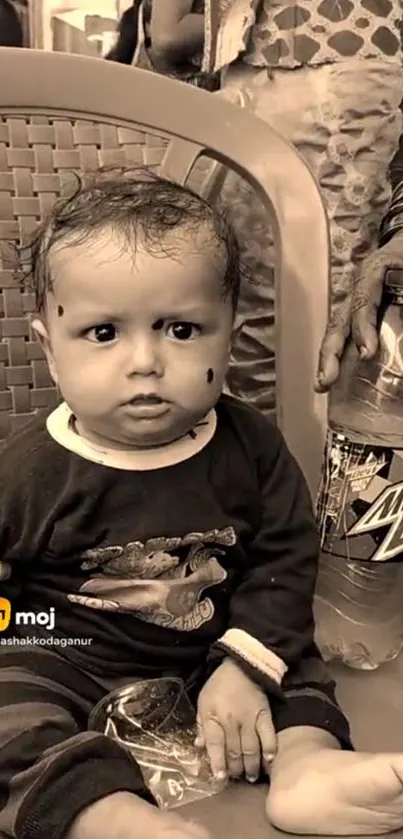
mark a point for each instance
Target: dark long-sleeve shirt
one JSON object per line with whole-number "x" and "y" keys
{"x": 159, "y": 566}
{"x": 166, "y": 560}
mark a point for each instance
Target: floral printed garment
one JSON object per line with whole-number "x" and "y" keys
{"x": 292, "y": 33}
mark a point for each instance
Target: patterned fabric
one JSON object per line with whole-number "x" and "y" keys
{"x": 344, "y": 119}
{"x": 227, "y": 25}
{"x": 290, "y": 33}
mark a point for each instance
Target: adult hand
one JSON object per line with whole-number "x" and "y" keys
{"x": 357, "y": 314}
{"x": 234, "y": 95}
{"x": 235, "y": 724}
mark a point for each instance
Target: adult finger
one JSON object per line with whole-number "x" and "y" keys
{"x": 214, "y": 740}
{"x": 234, "y": 95}
{"x": 364, "y": 321}
{"x": 367, "y": 297}
{"x": 337, "y": 332}
{"x": 5, "y": 571}
{"x": 251, "y": 752}
{"x": 267, "y": 735}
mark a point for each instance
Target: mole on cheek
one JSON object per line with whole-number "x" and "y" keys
{"x": 60, "y": 311}
{"x": 210, "y": 376}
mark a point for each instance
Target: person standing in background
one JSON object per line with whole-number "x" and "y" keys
{"x": 177, "y": 31}
{"x": 127, "y": 35}
{"x": 359, "y": 315}
{"x": 328, "y": 77}
{"x": 11, "y": 30}
{"x": 165, "y": 37}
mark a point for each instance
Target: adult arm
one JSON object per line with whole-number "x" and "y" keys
{"x": 177, "y": 34}
{"x": 357, "y": 315}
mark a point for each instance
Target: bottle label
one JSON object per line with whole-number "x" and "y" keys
{"x": 360, "y": 501}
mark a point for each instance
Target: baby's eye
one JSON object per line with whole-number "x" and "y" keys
{"x": 183, "y": 331}
{"x": 103, "y": 333}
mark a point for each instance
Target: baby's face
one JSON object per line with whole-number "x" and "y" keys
{"x": 138, "y": 343}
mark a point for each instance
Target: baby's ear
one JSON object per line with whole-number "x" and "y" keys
{"x": 39, "y": 327}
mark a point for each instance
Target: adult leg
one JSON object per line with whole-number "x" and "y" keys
{"x": 251, "y": 373}
{"x": 345, "y": 121}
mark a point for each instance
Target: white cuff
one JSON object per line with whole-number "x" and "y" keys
{"x": 255, "y": 653}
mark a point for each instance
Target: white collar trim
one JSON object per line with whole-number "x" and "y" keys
{"x": 60, "y": 426}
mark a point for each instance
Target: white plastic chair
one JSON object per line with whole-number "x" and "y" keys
{"x": 60, "y": 112}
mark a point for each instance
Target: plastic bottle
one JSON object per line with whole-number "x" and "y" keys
{"x": 359, "y": 595}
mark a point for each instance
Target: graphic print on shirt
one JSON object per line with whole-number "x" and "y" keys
{"x": 161, "y": 581}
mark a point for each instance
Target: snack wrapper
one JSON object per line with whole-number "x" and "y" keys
{"x": 156, "y": 722}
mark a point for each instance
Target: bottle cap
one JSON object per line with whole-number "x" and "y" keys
{"x": 393, "y": 282}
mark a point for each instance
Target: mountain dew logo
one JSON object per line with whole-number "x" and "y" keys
{"x": 385, "y": 511}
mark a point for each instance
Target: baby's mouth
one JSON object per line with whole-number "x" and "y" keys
{"x": 146, "y": 399}
{"x": 147, "y": 407}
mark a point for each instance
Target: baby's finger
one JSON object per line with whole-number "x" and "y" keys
{"x": 199, "y": 739}
{"x": 251, "y": 752}
{"x": 233, "y": 750}
{"x": 267, "y": 735}
{"x": 214, "y": 738}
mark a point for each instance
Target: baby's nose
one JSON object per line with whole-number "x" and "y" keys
{"x": 145, "y": 357}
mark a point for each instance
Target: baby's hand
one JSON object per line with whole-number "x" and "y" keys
{"x": 5, "y": 571}
{"x": 235, "y": 724}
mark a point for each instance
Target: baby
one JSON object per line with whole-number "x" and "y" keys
{"x": 169, "y": 531}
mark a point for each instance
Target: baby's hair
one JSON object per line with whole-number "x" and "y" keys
{"x": 128, "y": 202}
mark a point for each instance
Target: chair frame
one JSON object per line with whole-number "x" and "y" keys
{"x": 196, "y": 124}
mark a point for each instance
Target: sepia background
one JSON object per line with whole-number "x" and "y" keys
{"x": 86, "y": 27}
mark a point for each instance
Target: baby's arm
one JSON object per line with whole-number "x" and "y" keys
{"x": 271, "y": 625}
{"x": 51, "y": 768}
{"x": 5, "y": 571}
{"x": 56, "y": 778}
{"x": 271, "y": 613}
